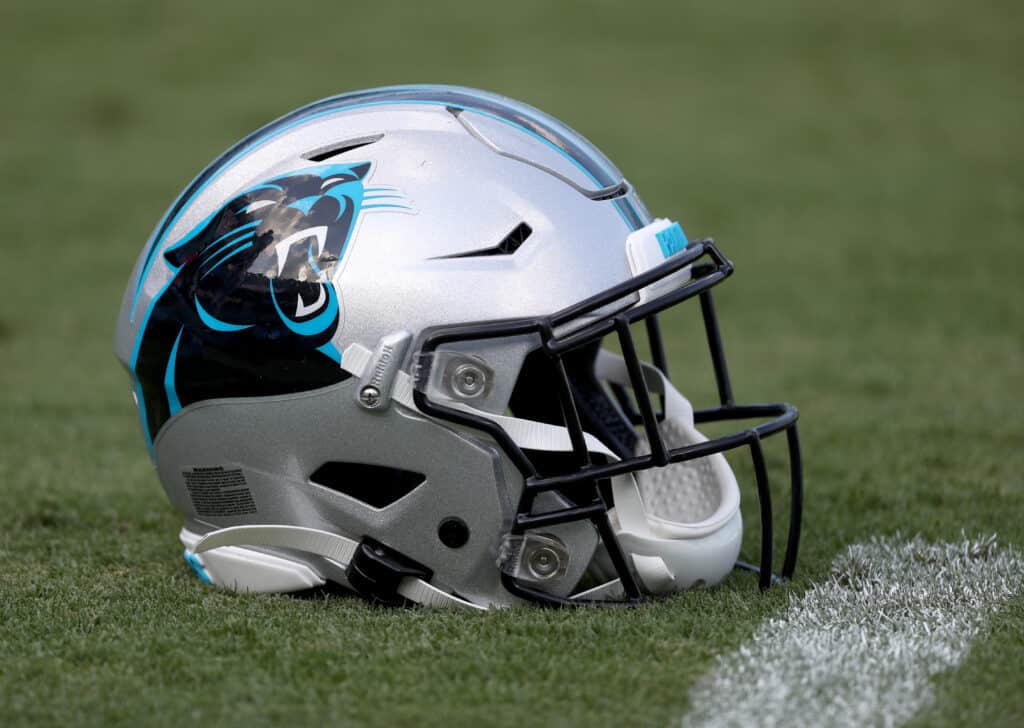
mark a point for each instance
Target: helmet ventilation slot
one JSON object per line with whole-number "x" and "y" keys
{"x": 378, "y": 486}
{"x": 508, "y": 245}
{"x": 323, "y": 153}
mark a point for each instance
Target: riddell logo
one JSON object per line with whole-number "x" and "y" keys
{"x": 379, "y": 369}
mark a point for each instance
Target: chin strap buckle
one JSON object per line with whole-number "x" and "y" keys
{"x": 373, "y": 569}
{"x": 377, "y": 572}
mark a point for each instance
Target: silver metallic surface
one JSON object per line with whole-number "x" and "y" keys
{"x": 369, "y": 397}
{"x": 395, "y": 278}
{"x": 601, "y": 193}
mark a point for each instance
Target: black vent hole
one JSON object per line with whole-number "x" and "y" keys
{"x": 377, "y": 486}
{"x": 322, "y": 153}
{"x": 507, "y": 246}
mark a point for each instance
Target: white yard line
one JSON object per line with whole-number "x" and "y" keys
{"x": 862, "y": 647}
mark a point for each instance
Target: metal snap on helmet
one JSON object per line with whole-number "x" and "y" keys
{"x": 387, "y": 341}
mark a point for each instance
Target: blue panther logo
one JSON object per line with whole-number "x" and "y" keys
{"x": 250, "y": 309}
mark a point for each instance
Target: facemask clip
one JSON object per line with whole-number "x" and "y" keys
{"x": 533, "y": 557}
{"x": 378, "y": 379}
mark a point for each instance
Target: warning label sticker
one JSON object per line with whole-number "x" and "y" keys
{"x": 217, "y": 492}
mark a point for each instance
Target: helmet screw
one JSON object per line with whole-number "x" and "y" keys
{"x": 543, "y": 562}
{"x": 468, "y": 380}
{"x": 369, "y": 397}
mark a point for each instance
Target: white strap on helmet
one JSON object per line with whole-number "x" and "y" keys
{"x": 332, "y": 546}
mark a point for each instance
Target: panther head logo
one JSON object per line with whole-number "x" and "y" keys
{"x": 250, "y": 309}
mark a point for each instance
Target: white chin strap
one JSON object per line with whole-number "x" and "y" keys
{"x": 679, "y": 525}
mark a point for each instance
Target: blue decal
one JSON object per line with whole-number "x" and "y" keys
{"x": 225, "y": 258}
{"x": 315, "y": 325}
{"x": 234, "y": 268}
{"x": 332, "y": 351}
{"x": 305, "y": 203}
{"x": 672, "y": 239}
{"x": 248, "y": 226}
{"x": 172, "y": 394}
{"x": 215, "y": 251}
{"x": 215, "y": 323}
{"x": 385, "y": 206}
{"x": 193, "y": 561}
{"x": 538, "y": 125}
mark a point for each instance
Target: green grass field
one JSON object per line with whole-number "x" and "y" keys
{"x": 863, "y": 165}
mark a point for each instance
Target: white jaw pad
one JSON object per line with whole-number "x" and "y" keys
{"x": 681, "y": 523}
{"x": 670, "y": 565}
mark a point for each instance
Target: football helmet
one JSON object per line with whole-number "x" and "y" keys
{"x": 390, "y": 341}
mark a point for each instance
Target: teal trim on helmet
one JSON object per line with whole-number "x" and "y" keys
{"x": 306, "y": 203}
{"x": 330, "y": 350}
{"x": 172, "y": 395}
{"x": 386, "y": 206}
{"x": 672, "y": 239}
{"x": 312, "y": 260}
{"x": 215, "y": 323}
{"x": 229, "y": 233}
{"x": 196, "y": 565}
{"x": 315, "y": 325}
{"x": 212, "y": 254}
{"x": 139, "y": 397}
{"x": 140, "y": 403}
{"x": 223, "y": 259}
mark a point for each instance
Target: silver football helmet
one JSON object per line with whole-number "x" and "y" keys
{"x": 387, "y": 341}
